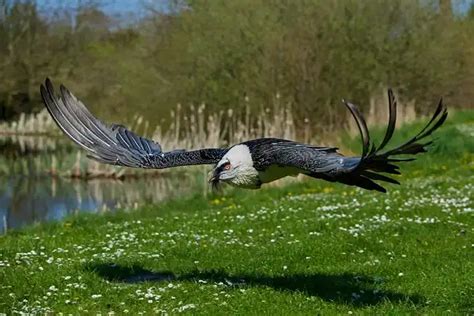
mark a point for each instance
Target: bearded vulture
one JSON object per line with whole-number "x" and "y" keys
{"x": 248, "y": 164}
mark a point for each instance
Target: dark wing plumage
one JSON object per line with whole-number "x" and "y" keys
{"x": 328, "y": 164}
{"x": 285, "y": 153}
{"x": 115, "y": 144}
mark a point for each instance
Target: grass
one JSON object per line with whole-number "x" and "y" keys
{"x": 307, "y": 248}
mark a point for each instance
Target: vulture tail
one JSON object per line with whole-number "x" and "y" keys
{"x": 364, "y": 170}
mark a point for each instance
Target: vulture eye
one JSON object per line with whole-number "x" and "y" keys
{"x": 227, "y": 166}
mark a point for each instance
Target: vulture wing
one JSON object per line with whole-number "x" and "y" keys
{"x": 115, "y": 144}
{"x": 363, "y": 171}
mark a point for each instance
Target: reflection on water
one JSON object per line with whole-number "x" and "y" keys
{"x": 26, "y": 200}
{"x": 19, "y": 145}
{"x": 28, "y": 195}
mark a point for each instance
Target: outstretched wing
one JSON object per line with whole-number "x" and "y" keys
{"x": 115, "y": 144}
{"x": 328, "y": 164}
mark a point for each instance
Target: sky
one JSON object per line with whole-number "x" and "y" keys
{"x": 111, "y": 7}
{"x": 462, "y": 6}
{"x": 137, "y": 7}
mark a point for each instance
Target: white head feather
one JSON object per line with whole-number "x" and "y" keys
{"x": 242, "y": 173}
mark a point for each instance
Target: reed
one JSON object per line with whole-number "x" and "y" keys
{"x": 191, "y": 127}
{"x": 29, "y": 124}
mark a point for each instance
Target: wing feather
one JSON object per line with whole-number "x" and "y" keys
{"x": 115, "y": 144}
{"x": 307, "y": 158}
{"x": 328, "y": 164}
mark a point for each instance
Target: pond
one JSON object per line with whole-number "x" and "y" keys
{"x": 29, "y": 195}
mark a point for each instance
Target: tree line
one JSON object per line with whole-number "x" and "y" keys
{"x": 237, "y": 54}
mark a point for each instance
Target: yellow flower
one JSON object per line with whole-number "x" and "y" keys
{"x": 327, "y": 189}
{"x": 216, "y": 201}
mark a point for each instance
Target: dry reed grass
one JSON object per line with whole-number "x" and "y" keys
{"x": 191, "y": 128}
{"x": 29, "y": 124}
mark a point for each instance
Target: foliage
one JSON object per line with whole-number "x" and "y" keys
{"x": 311, "y": 53}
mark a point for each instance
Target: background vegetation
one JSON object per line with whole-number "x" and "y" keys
{"x": 237, "y": 55}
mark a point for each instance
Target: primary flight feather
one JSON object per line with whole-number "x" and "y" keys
{"x": 248, "y": 164}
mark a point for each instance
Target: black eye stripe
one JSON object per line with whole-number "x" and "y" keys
{"x": 221, "y": 167}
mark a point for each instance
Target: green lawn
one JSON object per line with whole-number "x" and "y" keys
{"x": 308, "y": 248}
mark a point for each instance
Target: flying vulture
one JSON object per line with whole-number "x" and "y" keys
{"x": 248, "y": 164}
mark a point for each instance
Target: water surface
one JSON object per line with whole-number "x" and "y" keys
{"x": 28, "y": 194}
{"x": 28, "y": 200}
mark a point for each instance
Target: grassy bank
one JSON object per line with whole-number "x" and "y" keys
{"x": 308, "y": 248}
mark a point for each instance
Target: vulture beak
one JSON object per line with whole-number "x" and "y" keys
{"x": 214, "y": 179}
